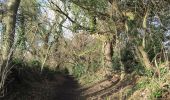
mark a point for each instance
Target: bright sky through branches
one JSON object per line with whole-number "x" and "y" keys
{"x": 51, "y": 17}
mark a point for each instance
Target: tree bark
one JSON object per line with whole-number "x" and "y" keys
{"x": 108, "y": 53}
{"x": 9, "y": 21}
{"x": 143, "y": 57}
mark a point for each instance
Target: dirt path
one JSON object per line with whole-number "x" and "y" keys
{"x": 62, "y": 87}
{"x": 108, "y": 88}
{"x": 65, "y": 87}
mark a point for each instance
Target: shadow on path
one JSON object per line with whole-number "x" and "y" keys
{"x": 41, "y": 87}
{"x": 69, "y": 90}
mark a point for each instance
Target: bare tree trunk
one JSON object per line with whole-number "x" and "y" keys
{"x": 143, "y": 57}
{"x": 46, "y": 45}
{"x": 9, "y": 21}
{"x": 108, "y": 53}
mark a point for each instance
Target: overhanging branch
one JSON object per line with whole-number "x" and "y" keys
{"x": 59, "y": 10}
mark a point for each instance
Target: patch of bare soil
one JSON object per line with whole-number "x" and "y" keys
{"x": 107, "y": 83}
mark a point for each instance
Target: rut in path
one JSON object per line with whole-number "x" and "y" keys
{"x": 62, "y": 87}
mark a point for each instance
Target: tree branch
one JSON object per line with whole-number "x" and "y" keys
{"x": 58, "y": 9}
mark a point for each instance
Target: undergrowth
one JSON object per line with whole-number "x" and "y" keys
{"x": 151, "y": 87}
